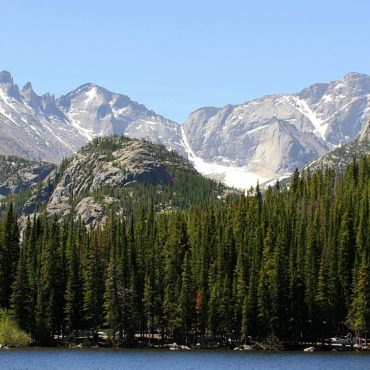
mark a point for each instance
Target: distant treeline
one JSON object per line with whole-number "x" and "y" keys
{"x": 292, "y": 263}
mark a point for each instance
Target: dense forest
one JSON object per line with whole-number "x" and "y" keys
{"x": 290, "y": 263}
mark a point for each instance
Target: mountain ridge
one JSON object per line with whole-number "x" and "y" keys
{"x": 259, "y": 140}
{"x": 340, "y": 157}
{"x": 334, "y": 112}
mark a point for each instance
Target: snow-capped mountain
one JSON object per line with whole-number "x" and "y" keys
{"x": 32, "y": 126}
{"x": 44, "y": 128}
{"x": 269, "y": 137}
{"x": 259, "y": 140}
{"x": 95, "y": 111}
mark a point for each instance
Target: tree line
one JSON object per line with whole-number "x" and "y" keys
{"x": 292, "y": 263}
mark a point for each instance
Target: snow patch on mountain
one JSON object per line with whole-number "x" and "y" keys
{"x": 230, "y": 175}
{"x": 87, "y": 134}
{"x": 319, "y": 125}
{"x": 91, "y": 95}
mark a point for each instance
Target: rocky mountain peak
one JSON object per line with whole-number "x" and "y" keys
{"x": 6, "y": 78}
{"x": 85, "y": 95}
{"x": 50, "y": 108}
{"x": 48, "y": 98}
{"x": 30, "y": 97}
{"x": 7, "y": 85}
{"x": 260, "y": 139}
{"x": 27, "y": 87}
{"x": 351, "y": 76}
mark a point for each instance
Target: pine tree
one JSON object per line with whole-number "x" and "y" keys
{"x": 186, "y": 301}
{"x": 47, "y": 306}
{"x": 113, "y": 297}
{"x": 73, "y": 293}
{"x": 293, "y": 263}
{"x": 176, "y": 247}
{"x": 21, "y": 300}
{"x": 148, "y": 303}
{"x": 345, "y": 259}
{"x": 266, "y": 286}
{"x": 359, "y": 314}
{"x": 9, "y": 253}
{"x": 239, "y": 294}
{"x": 93, "y": 285}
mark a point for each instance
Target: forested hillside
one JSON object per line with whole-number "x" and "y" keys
{"x": 292, "y": 264}
{"x": 122, "y": 175}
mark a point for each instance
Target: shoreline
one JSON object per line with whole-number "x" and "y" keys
{"x": 328, "y": 348}
{"x": 163, "y": 350}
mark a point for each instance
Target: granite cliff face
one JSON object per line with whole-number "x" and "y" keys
{"x": 274, "y": 135}
{"x": 107, "y": 174}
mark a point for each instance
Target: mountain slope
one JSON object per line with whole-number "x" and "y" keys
{"x": 119, "y": 173}
{"x": 96, "y": 111}
{"x": 271, "y": 136}
{"x": 18, "y": 174}
{"x": 32, "y": 126}
{"x": 342, "y": 156}
{"x": 44, "y": 128}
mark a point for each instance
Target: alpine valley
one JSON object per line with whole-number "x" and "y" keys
{"x": 260, "y": 140}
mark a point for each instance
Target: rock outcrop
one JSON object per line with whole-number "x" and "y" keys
{"x": 104, "y": 175}
{"x": 18, "y": 174}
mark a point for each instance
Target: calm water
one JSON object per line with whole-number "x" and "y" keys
{"x": 41, "y": 359}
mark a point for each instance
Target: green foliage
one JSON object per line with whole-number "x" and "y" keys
{"x": 291, "y": 265}
{"x": 9, "y": 252}
{"x": 359, "y": 314}
{"x": 10, "y": 334}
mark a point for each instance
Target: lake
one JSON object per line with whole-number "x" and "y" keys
{"x": 78, "y": 359}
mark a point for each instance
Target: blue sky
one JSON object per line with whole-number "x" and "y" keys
{"x": 177, "y": 56}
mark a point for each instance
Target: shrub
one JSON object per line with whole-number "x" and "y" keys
{"x": 10, "y": 334}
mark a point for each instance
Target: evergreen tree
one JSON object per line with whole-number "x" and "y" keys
{"x": 292, "y": 263}
{"x": 93, "y": 285}
{"x": 9, "y": 253}
{"x": 186, "y": 302}
{"x": 359, "y": 313}
{"x": 21, "y": 300}
{"x": 113, "y": 297}
{"x": 73, "y": 293}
